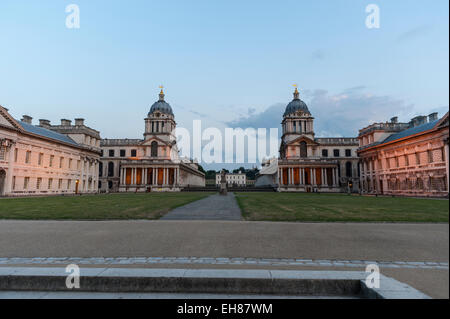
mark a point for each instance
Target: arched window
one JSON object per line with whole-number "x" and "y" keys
{"x": 348, "y": 169}
{"x": 110, "y": 169}
{"x": 303, "y": 149}
{"x": 100, "y": 169}
{"x": 154, "y": 149}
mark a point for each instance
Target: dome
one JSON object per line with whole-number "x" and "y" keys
{"x": 161, "y": 106}
{"x": 296, "y": 105}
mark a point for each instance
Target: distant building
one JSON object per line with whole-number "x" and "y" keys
{"x": 47, "y": 159}
{"x": 406, "y": 158}
{"x": 149, "y": 164}
{"x": 307, "y": 163}
{"x": 233, "y": 179}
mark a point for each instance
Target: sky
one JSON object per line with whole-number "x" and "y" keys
{"x": 228, "y": 63}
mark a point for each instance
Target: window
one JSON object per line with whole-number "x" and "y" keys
{"x": 16, "y": 151}
{"x": 295, "y": 126}
{"x": 51, "y": 160}
{"x": 430, "y": 156}
{"x": 110, "y": 169}
{"x": 133, "y": 153}
{"x": 336, "y": 153}
{"x": 69, "y": 183}
{"x": 59, "y": 183}
{"x": 26, "y": 181}
{"x": 61, "y": 162}
{"x": 101, "y": 153}
{"x": 154, "y": 149}
{"x": 417, "y": 158}
{"x": 406, "y": 160}
{"x": 50, "y": 182}
{"x": 14, "y": 183}
{"x": 122, "y": 153}
{"x": 324, "y": 153}
{"x": 28, "y": 157}
{"x": 78, "y": 164}
{"x": 2, "y": 153}
{"x": 348, "y": 169}
{"x": 348, "y": 153}
{"x": 111, "y": 153}
{"x": 397, "y": 164}
{"x": 38, "y": 183}
{"x": 303, "y": 149}
{"x": 100, "y": 169}
{"x": 70, "y": 163}
{"x": 41, "y": 156}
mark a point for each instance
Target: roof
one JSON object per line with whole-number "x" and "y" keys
{"x": 47, "y": 133}
{"x": 161, "y": 106}
{"x": 296, "y": 105}
{"x": 410, "y": 131}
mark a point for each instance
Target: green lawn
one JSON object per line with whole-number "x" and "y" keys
{"x": 92, "y": 207}
{"x": 340, "y": 208}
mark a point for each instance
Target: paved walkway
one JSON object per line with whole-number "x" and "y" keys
{"x": 214, "y": 207}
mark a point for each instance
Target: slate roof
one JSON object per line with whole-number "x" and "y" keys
{"x": 47, "y": 133}
{"x": 411, "y": 131}
{"x": 296, "y": 105}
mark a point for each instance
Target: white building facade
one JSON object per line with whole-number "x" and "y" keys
{"x": 47, "y": 160}
{"x": 233, "y": 179}
{"x": 307, "y": 163}
{"x": 149, "y": 164}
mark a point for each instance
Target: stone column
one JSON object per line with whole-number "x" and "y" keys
{"x": 447, "y": 163}
{"x": 10, "y": 172}
{"x": 303, "y": 176}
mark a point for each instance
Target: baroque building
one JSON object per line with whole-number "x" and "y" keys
{"x": 149, "y": 164}
{"x": 409, "y": 159}
{"x": 307, "y": 163}
{"x": 47, "y": 159}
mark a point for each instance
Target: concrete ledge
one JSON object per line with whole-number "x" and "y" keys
{"x": 226, "y": 281}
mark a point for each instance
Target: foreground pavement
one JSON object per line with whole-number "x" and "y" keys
{"x": 416, "y": 254}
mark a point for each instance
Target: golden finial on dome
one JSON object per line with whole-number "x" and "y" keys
{"x": 161, "y": 94}
{"x": 296, "y": 93}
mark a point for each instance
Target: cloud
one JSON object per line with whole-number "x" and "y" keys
{"x": 271, "y": 117}
{"x": 346, "y": 113}
{"x": 413, "y": 33}
{"x": 335, "y": 115}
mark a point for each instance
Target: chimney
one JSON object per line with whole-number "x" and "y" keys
{"x": 27, "y": 119}
{"x": 79, "y": 122}
{"x": 394, "y": 119}
{"x": 44, "y": 123}
{"x": 418, "y": 120}
{"x": 65, "y": 122}
{"x": 433, "y": 117}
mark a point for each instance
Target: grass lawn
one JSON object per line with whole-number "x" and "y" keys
{"x": 92, "y": 207}
{"x": 340, "y": 208}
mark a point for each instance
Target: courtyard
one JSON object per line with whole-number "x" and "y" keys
{"x": 96, "y": 207}
{"x": 306, "y": 207}
{"x": 253, "y": 207}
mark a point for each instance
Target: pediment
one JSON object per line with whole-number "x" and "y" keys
{"x": 150, "y": 140}
{"x": 7, "y": 120}
{"x": 300, "y": 139}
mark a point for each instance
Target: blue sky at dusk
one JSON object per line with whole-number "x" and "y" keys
{"x": 228, "y": 63}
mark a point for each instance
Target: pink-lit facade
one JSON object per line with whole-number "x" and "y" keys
{"x": 408, "y": 159}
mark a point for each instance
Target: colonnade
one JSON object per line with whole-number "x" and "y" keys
{"x": 302, "y": 178}
{"x": 141, "y": 176}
